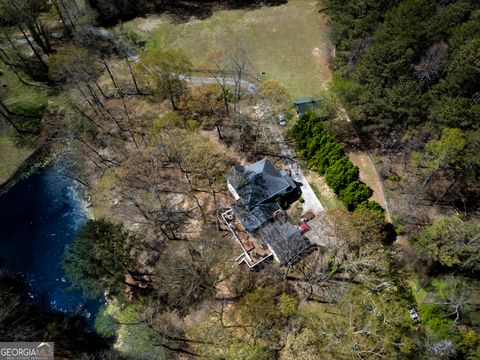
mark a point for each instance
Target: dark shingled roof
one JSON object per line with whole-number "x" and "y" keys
{"x": 286, "y": 241}
{"x": 257, "y": 182}
{"x": 304, "y": 104}
{"x": 252, "y": 220}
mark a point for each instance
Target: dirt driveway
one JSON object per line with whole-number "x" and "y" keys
{"x": 370, "y": 176}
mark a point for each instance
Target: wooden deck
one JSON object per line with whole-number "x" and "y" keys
{"x": 253, "y": 251}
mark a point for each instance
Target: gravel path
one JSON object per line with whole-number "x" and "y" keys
{"x": 248, "y": 86}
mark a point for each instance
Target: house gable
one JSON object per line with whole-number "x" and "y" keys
{"x": 258, "y": 183}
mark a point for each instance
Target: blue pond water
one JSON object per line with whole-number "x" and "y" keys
{"x": 39, "y": 216}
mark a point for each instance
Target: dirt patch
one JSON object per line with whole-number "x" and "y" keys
{"x": 369, "y": 175}
{"x": 149, "y": 24}
{"x": 316, "y": 52}
{"x": 322, "y": 58}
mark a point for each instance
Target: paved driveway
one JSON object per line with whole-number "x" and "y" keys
{"x": 311, "y": 201}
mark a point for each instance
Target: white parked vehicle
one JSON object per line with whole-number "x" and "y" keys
{"x": 414, "y": 315}
{"x": 281, "y": 120}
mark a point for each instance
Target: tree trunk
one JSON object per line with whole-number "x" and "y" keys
{"x": 17, "y": 129}
{"x": 110, "y": 75}
{"x": 133, "y": 76}
{"x": 39, "y": 38}
{"x": 132, "y": 135}
{"x": 76, "y": 179}
{"x": 170, "y": 91}
{"x": 107, "y": 162}
{"x": 68, "y": 15}
{"x": 37, "y": 54}
{"x": 9, "y": 112}
{"x": 5, "y": 60}
{"x": 220, "y": 137}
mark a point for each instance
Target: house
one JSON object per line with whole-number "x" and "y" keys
{"x": 286, "y": 241}
{"x": 304, "y": 104}
{"x": 256, "y": 219}
{"x": 259, "y": 183}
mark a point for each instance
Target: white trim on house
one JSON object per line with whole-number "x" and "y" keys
{"x": 232, "y": 191}
{"x": 273, "y": 253}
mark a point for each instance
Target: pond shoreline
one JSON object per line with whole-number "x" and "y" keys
{"x": 39, "y": 158}
{"x": 41, "y": 211}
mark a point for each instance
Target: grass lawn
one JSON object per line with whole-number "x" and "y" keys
{"x": 417, "y": 290}
{"x": 12, "y": 157}
{"x": 24, "y": 100}
{"x": 326, "y": 195}
{"x": 288, "y": 42}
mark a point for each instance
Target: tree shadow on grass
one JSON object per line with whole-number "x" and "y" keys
{"x": 183, "y": 11}
{"x": 110, "y": 12}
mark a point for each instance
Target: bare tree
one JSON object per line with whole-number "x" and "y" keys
{"x": 288, "y": 243}
{"x": 432, "y": 65}
{"x": 231, "y": 62}
{"x": 315, "y": 278}
{"x": 240, "y": 66}
{"x": 216, "y": 66}
{"x": 148, "y": 183}
{"x": 165, "y": 69}
{"x": 193, "y": 273}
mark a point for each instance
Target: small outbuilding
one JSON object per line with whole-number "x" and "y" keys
{"x": 304, "y": 104}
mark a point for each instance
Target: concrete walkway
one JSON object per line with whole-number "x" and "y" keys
{"x": 311, "y": 201}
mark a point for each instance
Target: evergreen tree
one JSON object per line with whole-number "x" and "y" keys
{"x": 98, "y": 259}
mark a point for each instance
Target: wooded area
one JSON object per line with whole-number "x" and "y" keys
{"x": 407, "y": 73}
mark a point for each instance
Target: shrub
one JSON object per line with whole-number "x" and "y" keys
{"x": 340, "y": 174}
{"x": 169, "y": 120}
{"x": 354, "y": 194}
{"x": 105, "y": 323}
{"x": 288, "y": 305}
{"x": 434, "y": 318}
{"x": 344, "y": 88}
{"x": 306, "y": 127}
{"x": 130, "y": 37}
{"x": 399, "y": 227}
{"x": 371, "y": 205}
{"x": 316, "y": 143}
{"x": 327, "y": 156}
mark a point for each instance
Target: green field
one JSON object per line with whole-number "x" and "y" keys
{"x": 288, "y": 42}
{"x": 23, "y": 100}
{"x": 12, "y": 156}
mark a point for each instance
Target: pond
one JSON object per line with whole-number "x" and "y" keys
{"x": 39, "y": 216}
